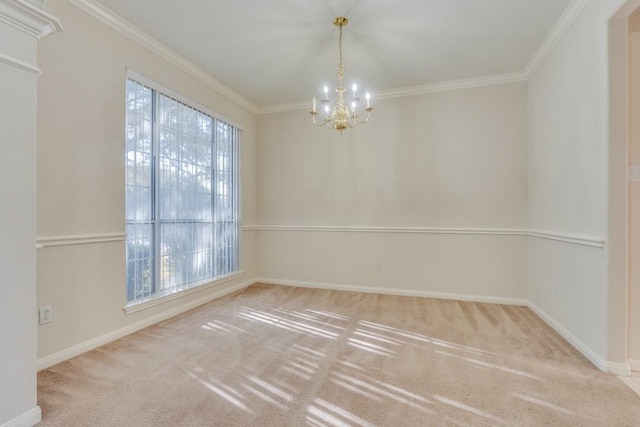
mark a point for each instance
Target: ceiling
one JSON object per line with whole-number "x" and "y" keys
{"x": 280, "y": 51}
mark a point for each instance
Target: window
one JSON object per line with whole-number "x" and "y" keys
{"x": 182, "y": 188}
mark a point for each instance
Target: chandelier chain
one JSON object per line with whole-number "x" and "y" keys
{"x": 340, "y": 66}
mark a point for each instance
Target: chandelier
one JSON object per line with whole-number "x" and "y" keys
{"x": 341, "y": 116}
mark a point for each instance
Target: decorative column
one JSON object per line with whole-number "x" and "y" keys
{"x": 22, "y": 24}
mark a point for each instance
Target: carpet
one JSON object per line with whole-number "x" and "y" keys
{"x": 284, "y": 356}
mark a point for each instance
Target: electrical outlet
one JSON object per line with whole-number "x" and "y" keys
{"x": 45, "y": 314}
{"x": 378, "y": 267}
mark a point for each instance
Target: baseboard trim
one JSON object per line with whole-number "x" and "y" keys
{"x": 397, "y": 292}
{"x": 93, "y": 343}
{"x": 622, "y": 369}
{"x": 634, "y": 364}
{"x": 599, "y": 362}
{"x": 630, "y": 383}
{"x": 28, "y": 419}
{"x": 603, "y": 365}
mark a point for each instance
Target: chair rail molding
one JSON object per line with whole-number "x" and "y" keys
{"x": 20, "y": 65}
{"x": 78, "y": 239}
{"x": 582, "y": 240}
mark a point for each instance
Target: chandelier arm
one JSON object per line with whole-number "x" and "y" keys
{"x": 324, "y": 122}
{"x": 366, "y": 119}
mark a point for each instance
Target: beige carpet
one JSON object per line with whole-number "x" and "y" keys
{"x": 280, "y": 356}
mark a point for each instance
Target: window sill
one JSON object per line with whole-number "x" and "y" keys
{"x": 154, "y": 301}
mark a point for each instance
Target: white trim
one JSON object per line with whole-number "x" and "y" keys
{"x": 155, "y": 301}
{"x": 28, "y": 419}
{"x": 78, "y": 239}
{"x": 622, "y": 369}
{"x": 288, "y": 106}
{"x": 391, "y": 291}
{"x": 591, "y": 241}
{"x": 634, "y": 364}
{"x": 121, "y": 25}
{"x": 475, "y": 82}
{"x": 554, "y": 36}
{"x": 599, "y": 362}
{"x": 409, "y": 230}
{"x": 426, "y": 89}
{"x": 630, "y": 382}
{"x": 93, "y": 343}
{"x": 28, "y": 18}
{"x": 21, "y": 65}
{"x": 603, "y": 365}
{"x": 124, "y": 27}
{"x": 616, "y": 368}
{"x": 575, "y": 239}
{"x": 146, "y": 81}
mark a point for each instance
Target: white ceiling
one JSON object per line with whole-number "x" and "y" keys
{"x": 281, "y": 51}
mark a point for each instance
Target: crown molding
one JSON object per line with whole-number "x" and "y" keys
{"x": 121, "y": 25}
{"x": 281, "y": 108}
{"x": 497, "y": 79}
{"x": 493, "y": 80}
{"x": 126, "y": 28}
{"x": 28, "y": 18}
{"x": 554, "y": 36}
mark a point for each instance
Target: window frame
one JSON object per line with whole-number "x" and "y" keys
{"x": 154, "y": 298}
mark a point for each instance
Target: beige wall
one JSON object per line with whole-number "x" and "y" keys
{"x": 446, "y": 160}
{"x": 80, "y": 182}
{"x": 577, "y": 185}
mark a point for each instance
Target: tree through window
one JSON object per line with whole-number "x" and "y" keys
{"x": 182, "y": 213}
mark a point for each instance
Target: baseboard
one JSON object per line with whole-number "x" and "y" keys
{"x": 619, "y": 368}
{"x": 47, "y": 361}
{"x": 630, "y": 383}
{"x": 599, "y": 362}
{"x": 28, "y": 419}
{"x": 93, "y": 343}
{"x": 634, "y": 364}
{"x": 398, "y": 292}
{"x": 603, "y": 365}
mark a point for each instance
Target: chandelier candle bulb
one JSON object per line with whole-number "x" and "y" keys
{"x": 339, "y": 116}
{"x": 368, "y": 96}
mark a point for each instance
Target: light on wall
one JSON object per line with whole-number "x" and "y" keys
{"x": 341, "y": 116}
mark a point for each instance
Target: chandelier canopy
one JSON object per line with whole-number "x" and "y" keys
{"x": 341, "y": 116}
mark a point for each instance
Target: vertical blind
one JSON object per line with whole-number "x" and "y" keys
{"x": 182, "y": 195}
